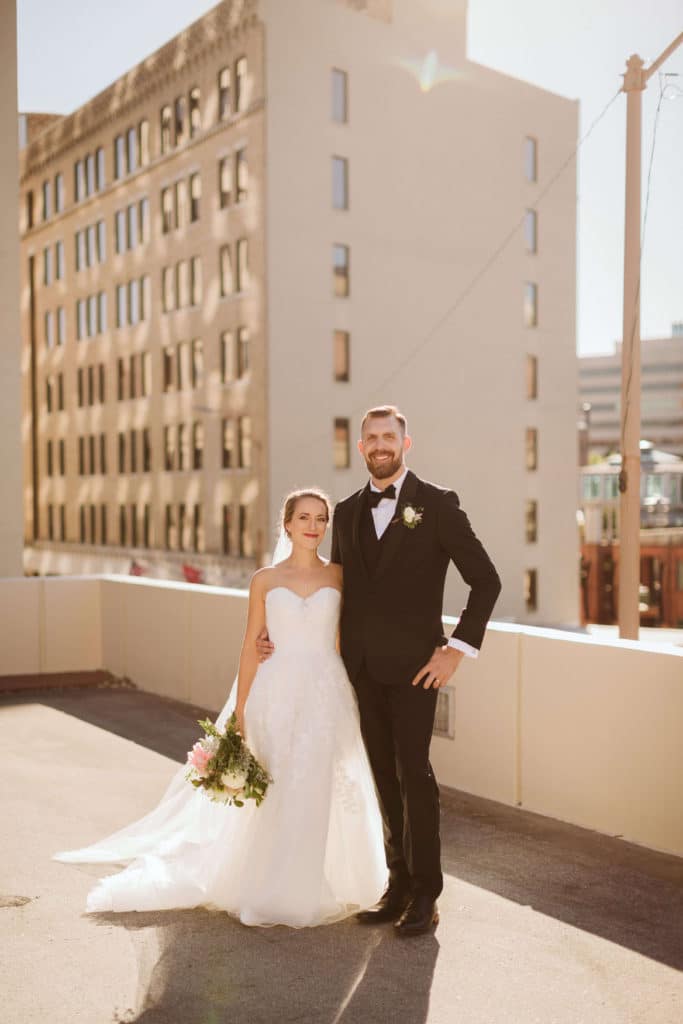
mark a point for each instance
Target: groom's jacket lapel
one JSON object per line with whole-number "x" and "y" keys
{"x": 358, "y": 506}
{"x": 396, "y": 532}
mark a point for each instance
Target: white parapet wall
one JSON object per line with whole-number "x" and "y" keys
{"x": 584, "y": 730}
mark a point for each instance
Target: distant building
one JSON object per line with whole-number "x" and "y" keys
{"x": 661, "y": 538}
{"x": 661, "y": 395}
{"x": 270, "y": 224}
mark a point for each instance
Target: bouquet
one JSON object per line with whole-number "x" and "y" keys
{"x": 223, "y": 766}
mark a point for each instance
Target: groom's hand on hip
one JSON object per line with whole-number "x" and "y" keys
{"x": 263, "y": 645}
{"x": 440, "y": 667}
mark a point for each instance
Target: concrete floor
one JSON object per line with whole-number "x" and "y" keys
{"x": 540, "y": 921}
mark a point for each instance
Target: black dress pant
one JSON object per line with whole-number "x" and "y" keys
{"x": 396, "y": 723}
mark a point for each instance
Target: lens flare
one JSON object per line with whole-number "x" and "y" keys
{"x": 428, "y": 72}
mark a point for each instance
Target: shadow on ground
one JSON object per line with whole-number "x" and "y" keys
{"x": 209, "y": 965}
{"x": 212, "y": 969}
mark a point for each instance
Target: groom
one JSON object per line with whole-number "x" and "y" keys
{"x": 395, "y": 539}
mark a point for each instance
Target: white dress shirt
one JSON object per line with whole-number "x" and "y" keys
{"x": 382, "y": 515}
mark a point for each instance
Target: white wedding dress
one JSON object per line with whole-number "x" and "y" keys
{"x": 313, "y": 851}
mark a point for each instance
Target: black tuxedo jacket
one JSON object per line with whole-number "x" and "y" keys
{"x": 391, "y": 618}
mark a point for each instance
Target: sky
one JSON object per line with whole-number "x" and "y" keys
{"x": 71, "y": 50}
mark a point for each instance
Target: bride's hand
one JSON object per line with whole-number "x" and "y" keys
{"x": 263, "y": 645}
{"x": 240, "y": 724}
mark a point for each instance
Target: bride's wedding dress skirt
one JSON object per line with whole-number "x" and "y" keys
{"x": 313, "y": 851}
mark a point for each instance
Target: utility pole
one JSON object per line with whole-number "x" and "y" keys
{"x": 635, "y": 81}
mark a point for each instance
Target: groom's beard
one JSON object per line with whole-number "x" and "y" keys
{"x": 381, "y": 470}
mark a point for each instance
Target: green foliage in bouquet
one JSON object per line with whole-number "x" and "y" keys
{"x": 233, "y": 756}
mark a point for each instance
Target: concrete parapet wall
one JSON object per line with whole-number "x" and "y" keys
{"x": 587, "y": 731}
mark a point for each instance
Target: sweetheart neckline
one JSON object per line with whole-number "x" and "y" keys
{"x": 301, "y": 597}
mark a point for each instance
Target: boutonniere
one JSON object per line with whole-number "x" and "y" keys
{"x": 410, "y": 516}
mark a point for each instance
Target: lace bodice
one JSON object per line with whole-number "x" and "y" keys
{"x": 296, "y": 622}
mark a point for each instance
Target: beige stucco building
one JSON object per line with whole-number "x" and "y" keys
{"x": 288, "y": 213}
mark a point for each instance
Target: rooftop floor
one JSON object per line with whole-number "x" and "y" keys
{"x": 540, "y": 921}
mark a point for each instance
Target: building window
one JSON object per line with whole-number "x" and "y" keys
{"x": 241, "y": 97}
{"x": 531, "y": 376}
{"x": 195, "y": 111}
{"x": 168, "y": 361}
{"x": 79, "y": 180}
{"x": 531, "y": 521}
{"x": 227, "y": 530}
{"x": 241, "y": 175}
{"x": 242, "y": 351}
{"x": 101, "y": 381}
{"x": 81, "y": 320}
{"x": 180, "y": 196}
{"x": 119, "y": 156}
{"x": 62, "y": 459}
{"x": 122, "y": 452}
{"x": 228, "y": 443}
{"x": 47, "y": 200}
{"x": 120, "y": 231}
{"x": 531, "y": 231}
{"x": 530, "y": 159}
{"x": 143, "y": 142}
{"x": 47, "y": 265}
{"x": 246, "y": 544}
{"x": 531, "y": 448}
{"x": 223, "y": 94}
{"x": 29, "y": 210}
{"x": 131, "y": 150}
{"x": 168, "y": 289}
{"x": 59, "y": 261}
{"x": 530, "y": 304}
{"x": 341, "y": 355}
{"x": 89, "y": 174}
{"x": 531, "y": 589}
{"x": 342, "y": 445}
{"x": 143, "y": 211}
{"x": 166, "y": 210}
{"x": 59, "y": 193}
{"x": 49, "y": 458}
{"x": 198, "y": 529}
{"x": 242, "y": 265}
{"x": 244, "y": 441}
{"x": 48, "y": 394}
{"x": 49, "y": 330}
{"x": 340, "y": 262}
{"x": 170, "y": 530}
{"x": 101, "y": 241}
{"x": 339, "y": 96}
{"x": 169, "y": 447}
{"x": 225, "y": 181}
{"x": 61, "y": 325}
{"x": 166, "y": 125}
{"x": 100, "y": 169}
{"x": 132, "y": 219}
{"x": 197, "y": 362}
{"x": 121, "y": 311}
{"x": 195, "y": 196}
{"x": 228, "y": 360}
{"x": 340, "y": 183}
{"x": 195, "y": 281}
{"x": 183, "y": 284}
{"x": 226, "y": 270}
{"x": 182, "y": 527}
{"x": 179, "y": 110}
{"x": 197, "y": 444}
{"x": 146, "y": 451}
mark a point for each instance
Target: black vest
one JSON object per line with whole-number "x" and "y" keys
{"x": 370, "y": 543}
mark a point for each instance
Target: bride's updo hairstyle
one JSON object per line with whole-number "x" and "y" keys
{"x": 289, "y": 505}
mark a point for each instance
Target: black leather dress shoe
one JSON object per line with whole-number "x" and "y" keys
{"x": 420, "y": 916}
{"x": 390, "y": 907}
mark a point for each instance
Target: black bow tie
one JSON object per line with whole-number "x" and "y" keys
{"x": 374, "y": 497}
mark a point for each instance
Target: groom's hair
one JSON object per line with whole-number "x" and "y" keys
{"x": 385, "y": 410}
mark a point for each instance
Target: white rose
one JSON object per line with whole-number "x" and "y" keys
{"x": 409, "y": 514}
{"x": 210, "y": 744}
{"x": 234, "y": 779}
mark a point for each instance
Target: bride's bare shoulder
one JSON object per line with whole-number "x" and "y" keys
{"x": 262, "y": 579}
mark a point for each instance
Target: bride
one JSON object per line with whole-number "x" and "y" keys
{"x": 312, "y": 852}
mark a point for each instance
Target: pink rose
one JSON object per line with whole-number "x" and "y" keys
{"x": 199, "y": 758}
